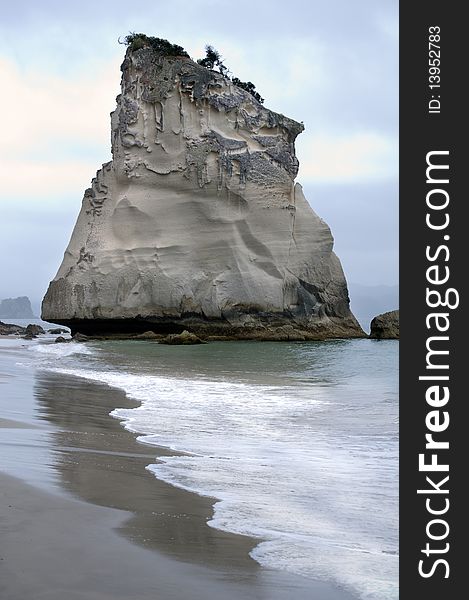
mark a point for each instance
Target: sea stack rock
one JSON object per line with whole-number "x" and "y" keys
{"x": 197, "y": 224}
{"x": 385, "y": 326}
{"x": 16, "y": 308}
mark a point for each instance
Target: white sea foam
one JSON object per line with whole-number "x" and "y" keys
{"x": 60, "y": 351}
{"x": 280, "y": 462}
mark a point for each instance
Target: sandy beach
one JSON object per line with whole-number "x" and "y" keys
{"x": 101, "y": 526}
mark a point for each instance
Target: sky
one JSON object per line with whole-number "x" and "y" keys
{"x": 332, "y": 65}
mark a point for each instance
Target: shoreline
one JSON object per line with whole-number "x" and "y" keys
{"x": 55, "y": 548}
{"x": 145, "y": 535}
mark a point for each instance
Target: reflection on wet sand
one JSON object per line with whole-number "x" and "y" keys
{"x": 102, "y": 463}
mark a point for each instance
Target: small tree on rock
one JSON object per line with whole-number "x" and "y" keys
{"x": 213, "y": 59}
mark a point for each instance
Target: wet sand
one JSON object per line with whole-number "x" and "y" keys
{"x": 109, "y": 528}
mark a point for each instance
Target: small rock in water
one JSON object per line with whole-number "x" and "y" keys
{"x": 147, "y": 335}
{"x": 34, "y": 330}
{"x": 10, "y": 329}
{"x": 57, "y": 331}
{"x": 184, "y": 338}
{"x": 385, "y": 326}
{"x": 61, "y": 340}
{"x": 80, "y": 337}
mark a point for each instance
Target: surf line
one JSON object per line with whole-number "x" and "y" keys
{"x": 440, "y": 300}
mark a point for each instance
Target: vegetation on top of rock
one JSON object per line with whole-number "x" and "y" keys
{"x": 213, "y": 59}
{"x": 135, "y": 41}
{"x": 249, "y": 87}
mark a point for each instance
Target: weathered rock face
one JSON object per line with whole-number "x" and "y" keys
{"x": 385, "y": 326}
{"x": 197, "y": 223}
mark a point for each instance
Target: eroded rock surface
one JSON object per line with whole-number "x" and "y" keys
{"x": 197, "y": 223}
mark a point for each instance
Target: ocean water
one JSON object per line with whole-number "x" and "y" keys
{"x": 296, "y": 442}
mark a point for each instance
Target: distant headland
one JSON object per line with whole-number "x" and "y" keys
{"x": 16, "y": 308}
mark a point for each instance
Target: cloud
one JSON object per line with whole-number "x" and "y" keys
{"x": 37, "y": 179}
{"x": 44, "y": 117}
{"x": 354, "y": 157}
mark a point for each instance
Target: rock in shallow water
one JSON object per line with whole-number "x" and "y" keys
{"x": 33, "y": 329}
{"x": 196, "y": 222}
{"x": 182, "y": 339}
{"x": 29, "y": 332}
{"x": 147, "y": 335}
{"x": 385, "y": 326}
{"x": 79, "y": 337}
{"x": 10, "y": 329}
